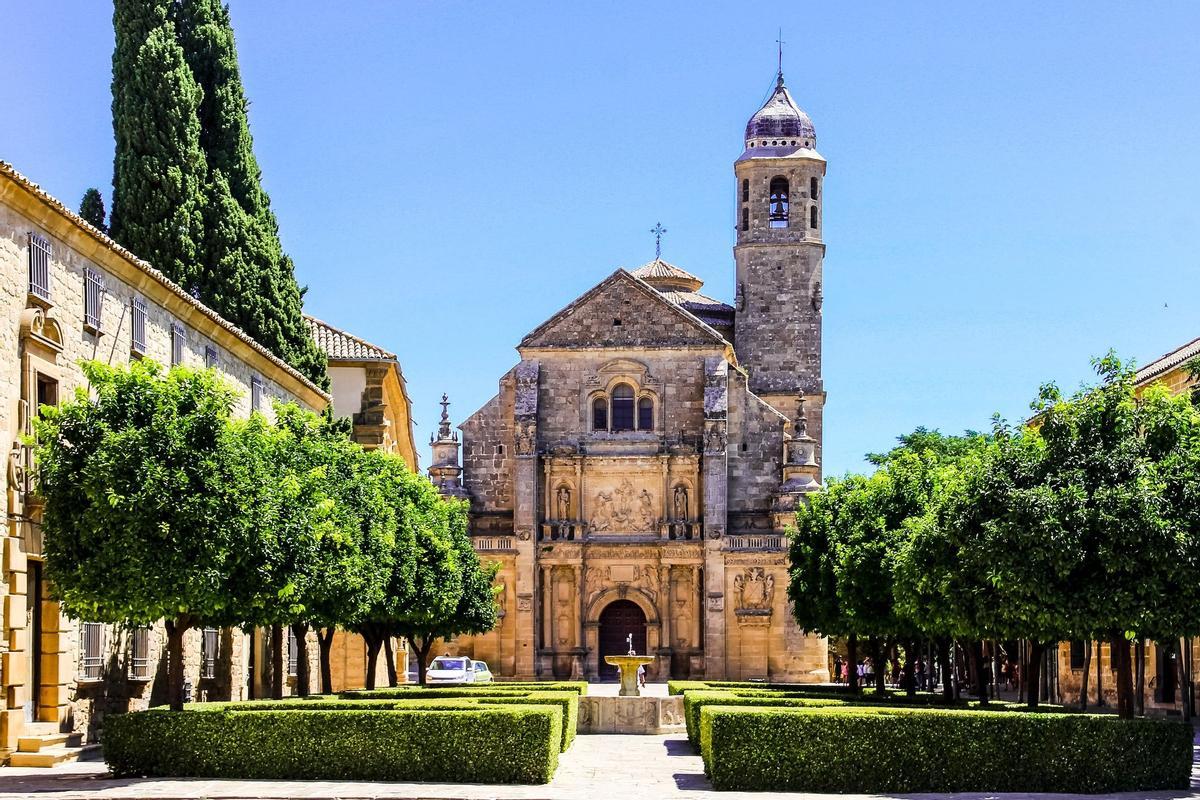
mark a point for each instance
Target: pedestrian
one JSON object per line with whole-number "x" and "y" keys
{"x": 641, "y": 675}
{"x": 837, "y": 669}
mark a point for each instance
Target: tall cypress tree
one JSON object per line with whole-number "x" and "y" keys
{"x": 159, "y": 171}
{"x": 249, "y": 279}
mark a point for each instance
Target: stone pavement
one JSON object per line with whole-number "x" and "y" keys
{"x": 605, "y": 767}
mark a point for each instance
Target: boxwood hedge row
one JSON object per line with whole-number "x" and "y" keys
{"x": 471, "y": 743}
{"x": 862, "y": 749}
{"x": 579, "y": 687}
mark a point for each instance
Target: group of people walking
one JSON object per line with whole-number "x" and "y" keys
{"x": 926, "y": 673}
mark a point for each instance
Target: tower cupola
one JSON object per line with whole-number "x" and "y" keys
{"x": 780, "y": 125}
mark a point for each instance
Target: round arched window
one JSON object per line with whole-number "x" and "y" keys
{"x": 645, "y": 418}
{"x": 600, "y": 414}
{"x": 622, "y": 407}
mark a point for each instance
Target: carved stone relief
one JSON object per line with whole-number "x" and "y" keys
{"x": 755, "y": 588}
{"x": 623, "y": 509}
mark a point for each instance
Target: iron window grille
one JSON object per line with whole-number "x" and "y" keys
{"x": 91, "y": 651}
{"x": 138, "y": 343}
{"x": 256, "y": 393}
{"x": 139, "y": 654}
{"x": 93, "y": 299}
{"x": 177, "y": 339}
{"x": 209, "y": 646}
{"x": 39, "y": 267}
{"x": 211, "y": 360}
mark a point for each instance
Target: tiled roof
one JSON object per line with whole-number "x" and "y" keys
{"x": 1168, "y": 362}
{"x": 9, "y": 171}
{"x": 661, "y": 269}
{"x": 337, "y": 344}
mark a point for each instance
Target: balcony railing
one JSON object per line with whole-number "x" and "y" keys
{"x": 494, "y": 544}
{"x": 756, "y": 542}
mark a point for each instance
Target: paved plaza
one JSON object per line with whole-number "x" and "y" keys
{"x": 605, "y": 767}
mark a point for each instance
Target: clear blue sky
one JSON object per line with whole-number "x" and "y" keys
{"x": 1011, "y": 190}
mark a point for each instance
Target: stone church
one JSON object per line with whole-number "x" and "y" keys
{"x": 637, "y": 470}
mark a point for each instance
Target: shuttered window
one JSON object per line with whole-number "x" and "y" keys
{"x": 39, "y": 266}
{"x": 177, "y": 339}
{"x": 256, "y": 393}
{"x": 139, "y": 654}
{"x": 211, "y": 360}
{"x": 91, "y": 651}
{"x": 138, "y": 344}
{"x": 209, "y": 645}
{"x": 93, "y": 298}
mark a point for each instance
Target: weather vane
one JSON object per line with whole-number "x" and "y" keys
{"x": 658, "y": 230}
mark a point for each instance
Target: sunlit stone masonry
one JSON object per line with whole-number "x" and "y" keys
{"x": 637, "y": 470}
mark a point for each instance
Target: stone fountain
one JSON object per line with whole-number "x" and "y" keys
{"x": 628, "y": 666}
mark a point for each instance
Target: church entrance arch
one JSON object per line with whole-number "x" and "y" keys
{"x": 619, "y": 619}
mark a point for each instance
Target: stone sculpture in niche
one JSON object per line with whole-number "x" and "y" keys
{"x": 681, "y": 503}
{"x": 563, "y": 497}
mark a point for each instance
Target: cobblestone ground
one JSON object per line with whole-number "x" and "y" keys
{"x": 595, "y": 768}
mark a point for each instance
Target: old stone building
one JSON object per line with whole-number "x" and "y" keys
{"x": 68, "y": 293}
{"x": 637, "y": 469}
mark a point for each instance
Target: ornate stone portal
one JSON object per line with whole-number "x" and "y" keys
{"x": 635, "y": 473}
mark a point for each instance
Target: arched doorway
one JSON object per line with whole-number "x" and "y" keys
{"x": 619, "y": 619}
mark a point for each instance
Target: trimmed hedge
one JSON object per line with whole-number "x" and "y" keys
{"x": 579, "y": 687}
{"x": 694, "y": 701}
{"x": 862, "y": 749}
{"x": 471, "y": 744}
{"x": 822, "y": 689}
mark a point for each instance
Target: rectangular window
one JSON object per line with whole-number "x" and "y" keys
{"x": 39, "y": 266}
{"x": 138, "y": 343}
{"x": 210, "y": 643}
{"x": 210, "y": 357}
{"x": 177, "y": 340}
{"x": 139, "y": 654}
{"x": 93, "y": 299}
{"x": 293, "y": 654}
{"x": 256, "y": 393}
{"x": 91, "y": 651}
{"x": 1077, "y": 654}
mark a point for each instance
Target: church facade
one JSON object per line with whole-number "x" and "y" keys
{"x": 637, "y": 470}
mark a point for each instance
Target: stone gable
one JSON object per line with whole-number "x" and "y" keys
{"x": 622, "y": 312}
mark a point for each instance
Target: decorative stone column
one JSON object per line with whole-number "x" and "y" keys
{"x": 525, "y": 512}
{"x": 716, "y": 509}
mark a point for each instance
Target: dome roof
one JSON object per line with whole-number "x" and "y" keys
{"x": 667, "y": 277}
{"x": 779, "y": 117}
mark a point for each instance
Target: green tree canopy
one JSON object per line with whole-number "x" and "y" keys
{"x": 91, "y": 208}
{"x": 156, "y": 503}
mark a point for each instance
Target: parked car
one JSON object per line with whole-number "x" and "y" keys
{"x": 451, "y": 669}
{"x": 482, "y": 673}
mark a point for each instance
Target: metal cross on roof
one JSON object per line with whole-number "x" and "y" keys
{"x": 658, "y": 230}
{"x": 781, "y": 43}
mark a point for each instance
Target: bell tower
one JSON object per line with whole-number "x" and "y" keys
{"x": 778, "y": 256}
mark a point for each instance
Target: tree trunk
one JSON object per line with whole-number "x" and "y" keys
{"x": 390, "y": 661}
{"x": 176, "y": 628}
{"x": 325, "y": 642}
{"x": 852, "y": 666}
{"x": 877, "y": 650}
{"x": 300, "y": 631}
{"x": 980, "y": 677}
{"x": 1139, "y": 676}
{"x": 1100, "y": 671}
{"x": 910, "y": 667}
{"x": 1119, "y": 647}
{"x": 1185, "y": 678}
{"x": 1035, "y": 652}
{"x": 374, "y": 645}
{"x": 277, "y": 664}
{"x": 1083, "y": 680}
{"x": 943, "y": 654}
{"x": 995, "y": 669}
{"x": 421, "y": 648}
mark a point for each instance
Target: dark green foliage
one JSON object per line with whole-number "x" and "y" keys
{"x": 854, "y": 749}
{"x": 188, "y": 195}
{"x": 475, "y": 745}
{"x": 91, "y": 208}
{"x": 694, "y": 701}
{"x": 579, "y": 687}
{"x": 248, "y": 278}
{"x": 159, "y": 171}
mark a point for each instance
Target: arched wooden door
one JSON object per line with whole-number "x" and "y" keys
{"x": 619, "y": 619}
